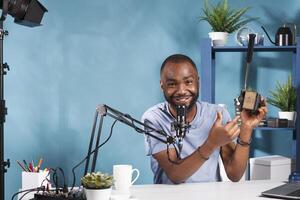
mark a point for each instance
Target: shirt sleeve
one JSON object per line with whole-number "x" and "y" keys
{"x": 153, "y": 145}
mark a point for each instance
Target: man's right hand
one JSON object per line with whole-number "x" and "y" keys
{"x": 221, "y": 135}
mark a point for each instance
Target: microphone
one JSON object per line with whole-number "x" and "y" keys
{"x": 181, "y": 126}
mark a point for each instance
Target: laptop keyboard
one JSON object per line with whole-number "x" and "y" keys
{"x": 295, "y": 193}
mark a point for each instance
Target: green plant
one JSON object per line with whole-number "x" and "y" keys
{"x": 222, "y": 18}
{"x": 97, "y": 180}
{"x": 284, "y": 96}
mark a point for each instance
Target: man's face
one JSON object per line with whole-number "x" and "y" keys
{"x": 180, "y": 84}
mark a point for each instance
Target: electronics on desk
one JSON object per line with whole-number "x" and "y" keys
{"x": 285, "y": 191}
{"x": 263, "y": 123}
{"x": 279, "y": 123}
{"x": 53, "y": 195}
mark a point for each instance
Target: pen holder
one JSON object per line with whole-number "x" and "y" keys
{"x": 34, "y": 179}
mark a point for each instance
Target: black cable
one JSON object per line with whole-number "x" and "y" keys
{"x": 98, "y": 147}
{"x": 28, "y": 190}
{"x": 36, "y": 189}
{"x": 46, "y": 179}
{"x": 26, "y": 194}
{"x": 173, "y": 161}
{"x": 63, "y": 174}
{"x": 54, "y": 178}
{"x": 137, "y": 129}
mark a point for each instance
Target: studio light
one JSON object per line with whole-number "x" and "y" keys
{"x": 25, "y": 12}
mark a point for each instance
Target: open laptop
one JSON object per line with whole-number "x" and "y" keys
{"x": 286, "y": 191}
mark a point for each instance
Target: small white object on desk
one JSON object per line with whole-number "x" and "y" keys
{"x": 32, "y": 180}
{"x": 274, "y": 167}
{"x": 123, "y": 177}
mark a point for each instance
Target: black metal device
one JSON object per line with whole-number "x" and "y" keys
{"x": 249, "y": 100}
{"x": 103, "y": 111}
{"x": 3, "y": 111}
{"x": 27, "y": 13}
{"x": 180, "y": 126}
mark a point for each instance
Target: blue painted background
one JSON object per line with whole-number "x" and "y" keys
{"x": 100, "y": 51}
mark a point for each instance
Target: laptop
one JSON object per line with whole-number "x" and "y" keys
{"x": 286, "y": 191}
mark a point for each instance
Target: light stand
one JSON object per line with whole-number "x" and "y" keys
{"x": 104, "y": 110}
{"x": 3, "y": 112}
{"x": 27, "y": 13}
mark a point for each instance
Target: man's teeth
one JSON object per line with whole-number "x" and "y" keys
{"x": 181, "y": 98}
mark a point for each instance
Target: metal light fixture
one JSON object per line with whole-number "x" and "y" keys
{"x": 25, "y": 12}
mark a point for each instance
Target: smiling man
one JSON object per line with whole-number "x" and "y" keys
{"x": 211, "y": 133}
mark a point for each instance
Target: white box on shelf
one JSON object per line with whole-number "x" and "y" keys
{"x": 270, "y": 167}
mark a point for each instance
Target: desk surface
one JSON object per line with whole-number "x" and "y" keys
{"x": 245, "y": 190}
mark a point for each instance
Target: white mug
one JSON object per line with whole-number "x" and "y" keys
{"x": 123, "y": 177}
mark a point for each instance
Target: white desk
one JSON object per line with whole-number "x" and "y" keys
{"x": 245, "y": 190}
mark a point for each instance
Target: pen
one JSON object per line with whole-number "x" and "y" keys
{"x": 30, "y": 167}
{"x": 26, "y": 166}
{"x": 39, "y": 164}
{"x": 22, "y": 166}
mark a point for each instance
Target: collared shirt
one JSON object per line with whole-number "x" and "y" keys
{"x": 160, "y": 118}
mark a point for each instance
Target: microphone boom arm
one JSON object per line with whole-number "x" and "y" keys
{"x": 104, "y": 110}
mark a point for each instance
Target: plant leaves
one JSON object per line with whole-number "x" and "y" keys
{"x": 284, "y": 96}
{"x": 222, "y": 18}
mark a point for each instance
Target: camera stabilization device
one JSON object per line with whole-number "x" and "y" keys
{"x": 248, "y": 100}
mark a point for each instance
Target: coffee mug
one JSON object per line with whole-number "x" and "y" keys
{"x": 123, "y": 177}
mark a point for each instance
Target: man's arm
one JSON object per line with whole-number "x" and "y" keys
{"x": 219, "y": 136}
{"x": 184, "y": 168}
{"x": 235, "y": 157}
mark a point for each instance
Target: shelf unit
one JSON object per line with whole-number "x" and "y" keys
{"x": 207, "y": 72}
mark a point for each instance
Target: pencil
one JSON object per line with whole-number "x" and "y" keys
{"x": 22, "y": 166}
{"x": 26, "y": 166}
{"x": 39, "y": 164}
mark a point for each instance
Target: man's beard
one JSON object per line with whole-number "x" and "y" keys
{"x": 194, "y": 96}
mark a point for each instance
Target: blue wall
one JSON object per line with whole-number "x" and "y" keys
{"x": 99, "y": 51}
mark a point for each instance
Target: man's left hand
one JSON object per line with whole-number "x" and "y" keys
{"x": 251, "y": 121}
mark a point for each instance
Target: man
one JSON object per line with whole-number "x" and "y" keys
{"x": 210, "y": 135}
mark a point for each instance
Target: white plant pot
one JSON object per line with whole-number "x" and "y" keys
{"x": 218, "y": 38}
{"x": 97, "y": 194}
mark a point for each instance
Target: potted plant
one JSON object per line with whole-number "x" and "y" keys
{"x": 97, "y": 185}
{"x": 223, "y": 20}
{"x": 284, "y": 97}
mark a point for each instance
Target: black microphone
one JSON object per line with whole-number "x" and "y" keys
{"x": 181, "y": 126}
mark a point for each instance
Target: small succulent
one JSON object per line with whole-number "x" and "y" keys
{"x": 97, "y": 180}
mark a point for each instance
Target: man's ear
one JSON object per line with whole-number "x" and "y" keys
{"x": 161, "y": 86}
{"x": 199, "y": 82}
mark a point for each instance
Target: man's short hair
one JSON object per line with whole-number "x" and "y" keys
{"x": 177, "y": 58}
